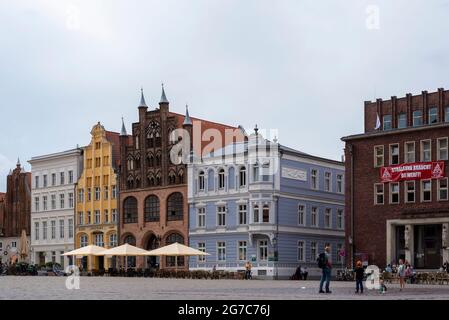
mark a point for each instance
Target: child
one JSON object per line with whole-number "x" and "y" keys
{"x": 359, "y": 272}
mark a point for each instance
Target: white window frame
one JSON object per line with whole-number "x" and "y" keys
{"x": 201, "y": 247}
{"x": 239, "y": 247}
{"x": 201, "y": 221}
{"x": 259, "y": 247}
{"x": 407, "y": 152}
{"x": 71, "y": 227}
{"x": 61, "y": 200}
{"x": 398, "y": 193}
{"x": 340, "y": 184}
{"x": 221, "y": 179}
{"x": 301, "y": 246}
{"x": 422, "y": 150}
{"x": 201, "y": 181}
{"x": 242, "y": 177}
{"x": 340, "y": 213}
{"x": 379, "y": 156}
{"x": 53, "y": 229}
{"x": 61, "y": 229}
{"x": 422, "y": 190}
{"x": 376, "y": 193}
{"x": 439, "y": 148}
{"x": 407, "y": 192}
{"x": 314, "y": 212}
{"x": 328, "y": 214}
{"x": 390, "y": 153}
{"x": 221, "y": 213}
{"x": 314, "y": 179}
{"x": 439, "y": 189}
{"x": 301, "y": 214}
{"x": 220, "y": 246}
{"x": 71, "y": 200}
{"x": 328, "y": 181}
{"x": 36, "y": 230}
{"x": 242, "y": 212}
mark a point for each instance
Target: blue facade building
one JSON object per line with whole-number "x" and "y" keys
{"x": 265, "y": 203}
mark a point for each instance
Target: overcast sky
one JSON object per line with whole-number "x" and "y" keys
{"x": 302, "y": 67}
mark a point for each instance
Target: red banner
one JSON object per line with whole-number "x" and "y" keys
{"x": 412, "y": 171}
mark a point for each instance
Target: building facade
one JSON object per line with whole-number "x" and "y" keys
{"x": 276, "y": 210}
{"x": 15, "y": 215}
{"x": 53, "y": 205}
{"x": 397, "y": 183}
{"x": 96, "y": 214}
{"x": 153, "y": 189}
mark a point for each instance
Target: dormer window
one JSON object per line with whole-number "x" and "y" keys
{"x": 387, "y": 122}
{"x": 433, "y": 115}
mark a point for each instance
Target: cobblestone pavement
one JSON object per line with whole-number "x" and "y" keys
{"x": 12, "y": 287}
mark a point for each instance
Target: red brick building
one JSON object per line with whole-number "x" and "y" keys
{"x": 153, "y": 190}
{"x": 396, "y": 195}
{"x": 15, "y": 208}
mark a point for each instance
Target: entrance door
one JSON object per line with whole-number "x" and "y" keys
{"x": 152, "y": 261}
{"x": 400, "y": 244}
{"x": 41, "y": 258}
{"x": 100, "y": 263}
{"x": 428, "y": 246}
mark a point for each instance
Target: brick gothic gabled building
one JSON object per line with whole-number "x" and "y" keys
{"x": 15, "y": 213}
{"x": 406, "y": 216}
{"x": 153, "y": 191}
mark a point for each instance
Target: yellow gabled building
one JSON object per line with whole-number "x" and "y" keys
{"x": 97, "y": 194}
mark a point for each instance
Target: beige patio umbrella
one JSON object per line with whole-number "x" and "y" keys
{"x": 90, "y": 250}
{"x": 176, "y": 250}
{"x": 23, "y": 245}
{"x": 125, "y": 250}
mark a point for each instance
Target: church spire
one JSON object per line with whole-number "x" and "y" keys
{"x": 163, "y": 96}
{"x": 187, "y": 120}
{"x": 123, "y": 132}
{"x": 18, "y": 162}
{"x": 142, "y": 99}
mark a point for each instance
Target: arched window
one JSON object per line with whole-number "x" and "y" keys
{"x": 98, "y": 239}
{"x": 171, "y": 178}
{"x": 83, "y": 240}
{"x": 130, "y": 163}
{"x": 150, "y": 160}
{"x": 175, "y": 206}
{"x": 242, "y": 177}
{"x": 130, "y": 182}
{"x": 172, "y": 238}
{"x": 231, "y": 178}
{"x": 158, "y": 160}
{"x": 150, "y": 180}
{"x": 266, "y": 214}
{"x": 137, "y": 162}
{"x": 112, "y": 240}
{"x": 221, "y": 179}
{"x": 152, "y": 208}
{"x": 201, "y": 181}
{"x": 130, "y": 239}
{"x": 130, "y": 210}
{"x": 138, "y": 182}
{"x": 210, "y": 180}
{"x": 158, "y": 139}
{"x": 256, "y": 213}
{"x": 181, "y": 176}
{"x": 158, "y": 179}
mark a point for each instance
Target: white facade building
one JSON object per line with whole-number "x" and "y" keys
{"x": 53, "y": 205}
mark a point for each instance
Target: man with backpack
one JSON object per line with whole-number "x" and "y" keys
{"x": 325, "y": 263}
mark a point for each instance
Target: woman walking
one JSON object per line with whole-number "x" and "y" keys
{"x": 401, "y": 273}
